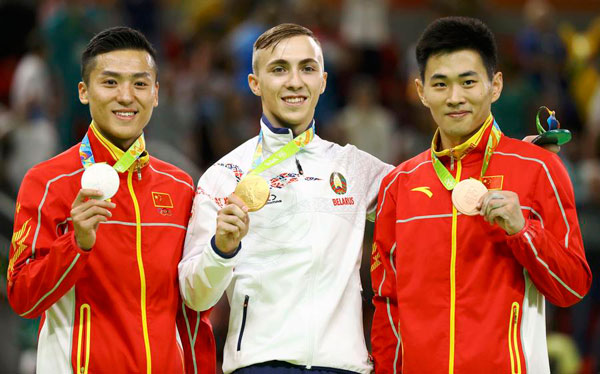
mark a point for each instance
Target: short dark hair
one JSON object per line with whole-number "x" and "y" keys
{"x": 274, "y": 35}
{"x": 114, "y": 39}
{"x": 450, "y": 34}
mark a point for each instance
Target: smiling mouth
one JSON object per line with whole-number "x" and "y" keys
{"x": 125, "y": 114}
{"x": 294, "y": 100}
{"x": 458, "y": 114}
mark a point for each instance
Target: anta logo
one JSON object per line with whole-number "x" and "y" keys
{"x": 338, "y": 183}
{"x": 163, "y": 203}
{"x": 343, "y": 201}
{"x": 425, "y": 190}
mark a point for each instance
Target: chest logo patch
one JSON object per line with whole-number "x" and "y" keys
{"x": 425, "y": 190}
{"x": 493, "y": 182}
{"x": 162, "y": 200}
{"x": 338, "y": 183}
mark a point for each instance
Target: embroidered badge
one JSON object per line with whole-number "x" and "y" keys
{"x": 338, "y": 183}
{"x": 493, "y": 182}
{"x": 162, "y": 200}
{"x": 18, "y": 238}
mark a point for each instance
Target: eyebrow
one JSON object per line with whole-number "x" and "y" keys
{"x": 469, "y": 73}
{"x": 118, "y": 75}
{"x": 286, "y": 62}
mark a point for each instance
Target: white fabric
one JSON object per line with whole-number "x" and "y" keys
{"x": 299, "y": 263}
{"x": 56, "y": 334}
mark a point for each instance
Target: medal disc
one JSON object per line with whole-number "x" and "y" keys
{"x": 466, "y": 195}
{"x": 102, "y": 177}
{"x": 254, "y": 192}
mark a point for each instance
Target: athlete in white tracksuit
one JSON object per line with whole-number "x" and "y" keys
{"x": 294, "y": 286}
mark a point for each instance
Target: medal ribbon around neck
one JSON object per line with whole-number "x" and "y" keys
{"x": 123, "y": 163}
{"x": 444, "y": 175}
{"x": 283, "y": 153}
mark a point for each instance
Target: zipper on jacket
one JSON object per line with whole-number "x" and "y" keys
{"x": 84, "y": 324}
{"x": 244, "y": 313}
{"x": 453, "y": 277}
{"x": 139, "y": 171}
{"x": 513, "y": 339}
{"x": 300, "y": 171}
{"x": 138, "y": 250}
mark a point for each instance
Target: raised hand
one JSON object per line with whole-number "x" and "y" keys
{"x": 502, "y": 208}
{"x": 87, "y": 212}
{"x": 232, "y": 225}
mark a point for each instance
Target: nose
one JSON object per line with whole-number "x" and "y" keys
{"x": 455, "y": 95}
{"x": 294, "y": 81}
{"x": 125, "y": 94}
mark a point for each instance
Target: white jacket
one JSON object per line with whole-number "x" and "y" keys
{"x": 294, "y": 286}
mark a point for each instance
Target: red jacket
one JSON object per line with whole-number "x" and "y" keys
{"x": 454, "y": 294}
{"x": 116, "y": 307}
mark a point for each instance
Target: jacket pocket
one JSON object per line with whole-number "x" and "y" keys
{"x": 244, "y": 313}
{"x": 513, "y": 339}
{"x": 83, "y": 339}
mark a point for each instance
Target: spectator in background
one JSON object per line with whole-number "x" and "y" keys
{"x": 33, "y": 137}
{"x": 365, "y": 123}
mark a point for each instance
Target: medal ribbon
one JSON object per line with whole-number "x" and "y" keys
{"x": 123, "y": 163}
{"x": 283, "y": 153}
{"x": 444, "y": 175}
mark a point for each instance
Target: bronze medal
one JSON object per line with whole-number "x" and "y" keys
{"x": 466, "y": 195}
{"x": 254, "y": 192}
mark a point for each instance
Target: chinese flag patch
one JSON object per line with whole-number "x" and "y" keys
{"x": 493, "y": 182}
{"x": 162, "y": 200}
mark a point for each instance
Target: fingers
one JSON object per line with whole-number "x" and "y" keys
{"x": 554, "y": 148}
{"x": 489, "y": 202}
{"x": 84, "y": 194}
{"x": 232, "y": 225}
{"x": 87, "y": 213}
{"x": 502, "y": 208}
{"x": 234, "y": 199}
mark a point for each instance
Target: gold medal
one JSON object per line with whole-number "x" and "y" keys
{"x": 254, "y": 192}
{"x": 466, "y": 195}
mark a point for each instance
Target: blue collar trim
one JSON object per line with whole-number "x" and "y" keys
{"x": 276, "y": 130}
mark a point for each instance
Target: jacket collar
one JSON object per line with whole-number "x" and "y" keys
{"x": 473, "y": 145}
{"x": 275, "y": 137}
{"x": 105, "y": 151}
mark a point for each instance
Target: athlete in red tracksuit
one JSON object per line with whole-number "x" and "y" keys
{"x": 455, "y": 293}
{"x": 103, "y": 274}
{"x": 114, "y": 306}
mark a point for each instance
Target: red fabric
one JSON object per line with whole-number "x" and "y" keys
{"x": 107, "y": 280}
{"x": 411, "y": 262}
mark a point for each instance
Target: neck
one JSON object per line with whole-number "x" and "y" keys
{"x": 296, "y": 129}
{"x": 121, "y": 144}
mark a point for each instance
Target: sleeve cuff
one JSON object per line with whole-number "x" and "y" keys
{"x": 223, "y": 254}
{"x": 519, "y": 235}
{"x": 77, "y": 247}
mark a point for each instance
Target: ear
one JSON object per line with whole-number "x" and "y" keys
{"x": 156, "y": 87}
{"x": 420, "y": 92}
{"x": 497, "y": 84}
{"x": 254, "y": 84}
{"x": 83, "y": 93}
{"x": 324, "y": 82}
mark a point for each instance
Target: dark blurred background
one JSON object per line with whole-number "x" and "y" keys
{"x": 549, "y": 54}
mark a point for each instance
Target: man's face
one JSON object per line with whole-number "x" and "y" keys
{"x": 122, "y": 92}
{"x": 459, "y": 94}
{"x": 289, "y": 80}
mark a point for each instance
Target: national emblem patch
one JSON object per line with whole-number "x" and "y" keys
{"x": 338, "y": 183}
